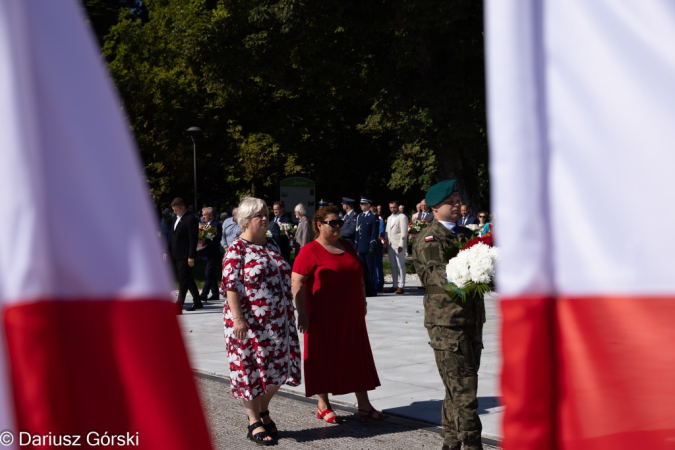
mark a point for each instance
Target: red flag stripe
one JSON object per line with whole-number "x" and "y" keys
{"x": 105, "y": 366}
{"x": 528, "y": 373}
{"x": 598, "y": 369}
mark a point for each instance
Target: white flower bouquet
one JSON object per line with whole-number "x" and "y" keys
{"x": 472, "y": 271}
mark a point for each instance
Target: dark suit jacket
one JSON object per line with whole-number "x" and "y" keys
{"x": 183, "y": 240}
{"x": 280, "y": 237}
{"x": 284, "y": 218}
{"x": 428, "y": 216}
{"x": 275, "y": 230}
{"x": 212, "y": 249}
{"x": 470, "y": 220}
{"x": 281, "y": 240}
{"x": 367, "y": 230}
{"x": 349, "y": 228}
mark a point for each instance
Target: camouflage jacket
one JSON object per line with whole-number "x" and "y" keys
{"x": 431, "y": 250}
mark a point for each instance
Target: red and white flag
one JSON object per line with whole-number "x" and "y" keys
{"x": 581, "y": 99}
{"x": 89, "y": 341}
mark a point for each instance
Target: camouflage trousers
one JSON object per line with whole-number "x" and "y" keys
{"x": 458, "y": 359}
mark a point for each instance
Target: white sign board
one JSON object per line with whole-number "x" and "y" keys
{"x": 298, "y": 190}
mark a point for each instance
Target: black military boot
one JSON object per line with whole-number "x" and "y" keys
{"x": 475, "y": 445}
{"x": 453, "y": 447}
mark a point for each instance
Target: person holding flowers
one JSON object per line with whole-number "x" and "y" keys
{"x": 210, "y": 232}
{"x": 455, "y": 327}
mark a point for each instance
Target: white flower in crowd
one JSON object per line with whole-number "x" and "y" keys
{"x": 474, "y": 264}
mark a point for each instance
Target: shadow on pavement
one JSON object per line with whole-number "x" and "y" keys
{"x": 431, "y": 410}
{"x": 351, "y": 428}
{"x": 487, "y": 403}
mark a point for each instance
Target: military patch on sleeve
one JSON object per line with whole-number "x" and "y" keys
{"x": 428, "y": 238}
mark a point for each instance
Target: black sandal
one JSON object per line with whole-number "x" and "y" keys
{"x": 270, "y": 427}
{"x": 259, "y": 438}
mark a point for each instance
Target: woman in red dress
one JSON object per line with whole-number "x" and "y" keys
{"x": 331, "y": 301}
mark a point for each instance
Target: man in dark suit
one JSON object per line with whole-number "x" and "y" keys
{"x": 210, "y": 254}
{"x": 466, "y": 218}
{"x": 425, "y": 214}
{"x": 183, "y": 235}
{"x": 379, "y": 253}
{"x": 349, "y": 228}
{"x": 277, "y": 233}
{"x": 365, "y": 241}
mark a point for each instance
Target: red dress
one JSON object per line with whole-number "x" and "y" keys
{"x": 338, "y": 358}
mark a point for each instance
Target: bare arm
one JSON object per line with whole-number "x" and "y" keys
{"x": 298, "y": 284}
{"x": 240, "y": 327}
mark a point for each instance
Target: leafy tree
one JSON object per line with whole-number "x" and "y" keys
{"x": 364, "y": 97}
{"x": 103, "y": 14}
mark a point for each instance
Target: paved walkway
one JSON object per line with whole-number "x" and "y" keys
{"x": 299, "y": 429}
{"x": 411, "y": 386}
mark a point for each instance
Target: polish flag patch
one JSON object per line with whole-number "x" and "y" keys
{"x": 428, "y": 238}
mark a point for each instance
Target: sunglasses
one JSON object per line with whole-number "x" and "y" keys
{"x": 482, "y": 217}
{"x": 334, "y": 223}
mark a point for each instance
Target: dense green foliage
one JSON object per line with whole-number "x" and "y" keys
{"x": 379, "y": 97}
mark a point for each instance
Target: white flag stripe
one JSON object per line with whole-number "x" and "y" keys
{"x": 8, "y": 121}
{"x": 63, "y": 129}
{"x": 517, "y": 146}
{"x": 611, "y": 121}
{"x": 601, "y": 146}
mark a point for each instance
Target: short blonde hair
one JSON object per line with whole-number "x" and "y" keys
{"x": 300, "y": 209}
{"x": 249, "y": 207}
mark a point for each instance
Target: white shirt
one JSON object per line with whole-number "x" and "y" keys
{"x": 178, "y": 220}
{"x": 448, "y": 225}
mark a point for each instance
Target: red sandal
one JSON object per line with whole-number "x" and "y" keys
{"x": 373, "y": 414}
{"x": 322, "y": 415}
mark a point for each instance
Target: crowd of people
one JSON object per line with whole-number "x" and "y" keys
{"x": 338, "y": 264}
{"x": 372, "y": 236}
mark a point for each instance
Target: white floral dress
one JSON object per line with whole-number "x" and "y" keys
{"x": 270, "y": 353}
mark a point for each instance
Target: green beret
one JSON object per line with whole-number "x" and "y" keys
{"x": 439, "y": 192}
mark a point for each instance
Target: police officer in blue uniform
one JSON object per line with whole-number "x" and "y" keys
{"x": 349, "y": 228}
{"x": 379, "y": 254}
{"x": 367, "y": 230}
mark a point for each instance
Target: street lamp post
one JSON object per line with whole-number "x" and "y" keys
{"x": 193, "y": 132}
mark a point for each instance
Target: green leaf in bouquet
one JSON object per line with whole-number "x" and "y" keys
{"x": 470, "y": 290}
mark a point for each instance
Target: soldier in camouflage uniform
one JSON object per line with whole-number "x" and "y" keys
{"x": 455, "y": 328}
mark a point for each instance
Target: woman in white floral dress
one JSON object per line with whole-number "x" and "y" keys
{"x": 260, "y": 333}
